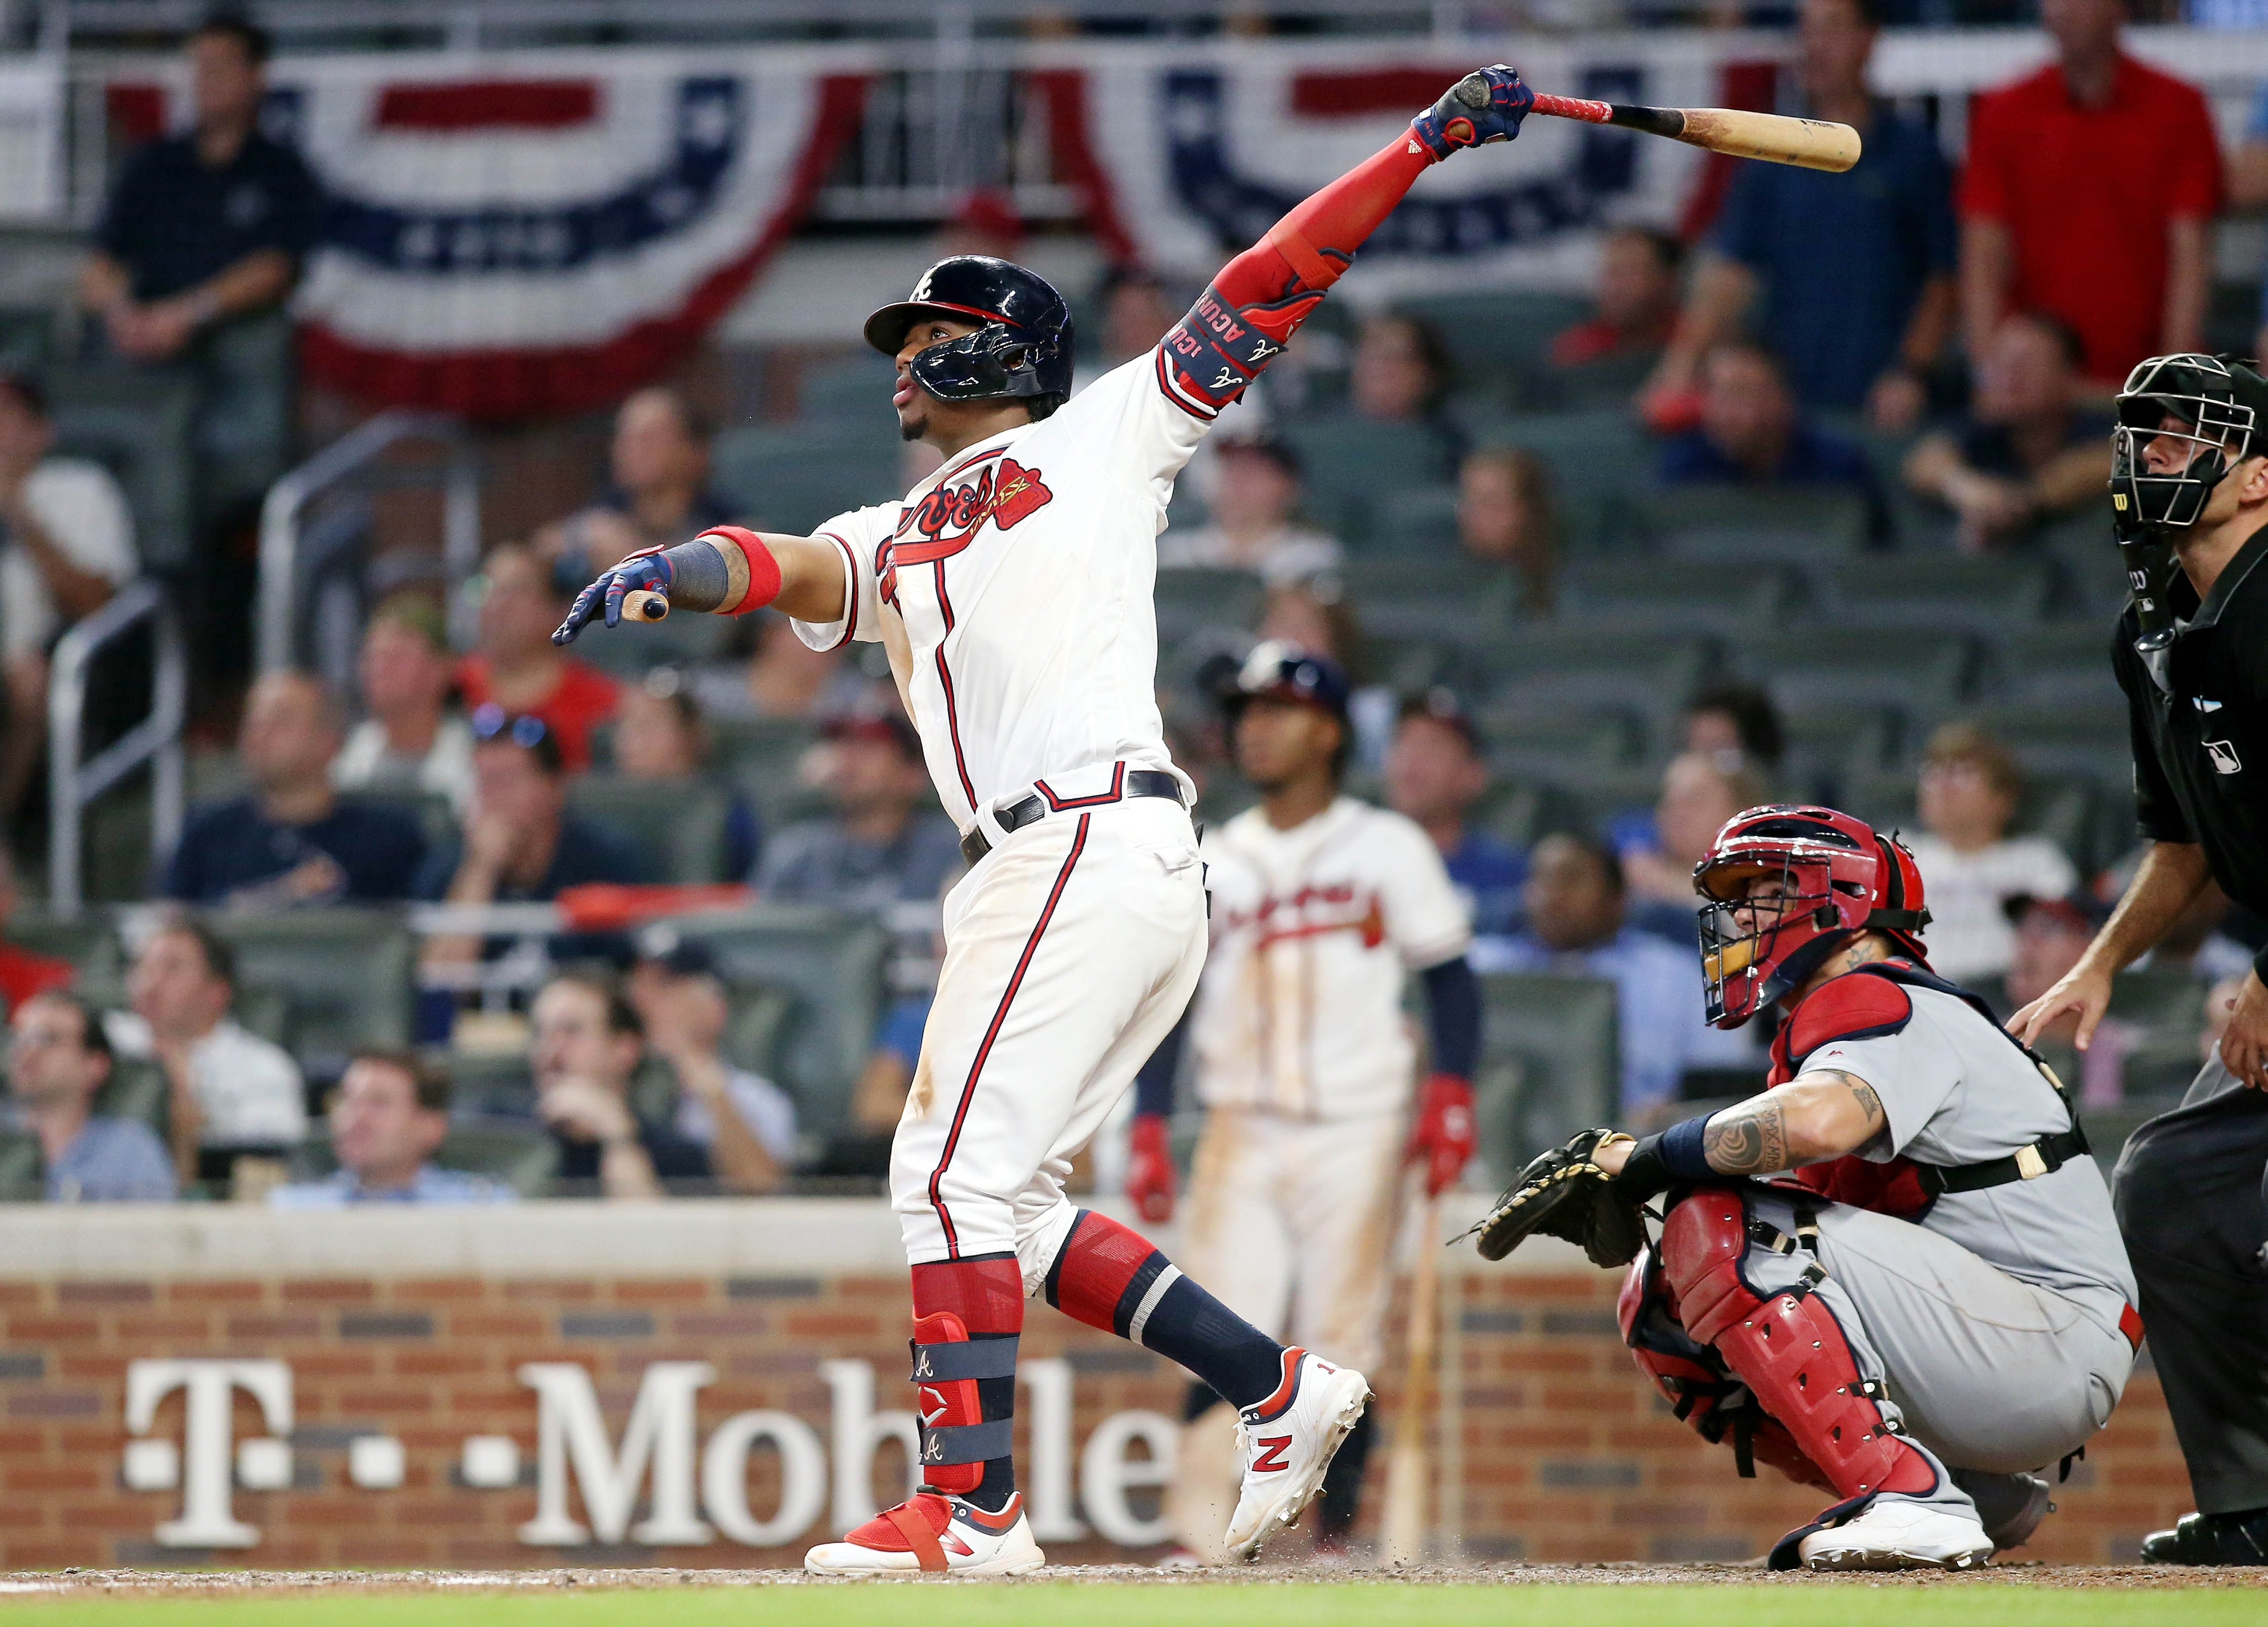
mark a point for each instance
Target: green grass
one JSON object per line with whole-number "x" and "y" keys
{"x": 1102, "y": 1605}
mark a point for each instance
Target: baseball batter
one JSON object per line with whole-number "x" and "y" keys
{"x": 1939, "y": 1301}
{"x": 1012, "y": 591}
{"x": 1322, "y": 906}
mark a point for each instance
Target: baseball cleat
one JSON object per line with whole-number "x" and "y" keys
{"x": 931, "y": 1531}
{"x": 1286, "y": 1443}
{"x": 1893, "y": 1534}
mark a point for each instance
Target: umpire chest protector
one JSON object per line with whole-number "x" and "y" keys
{"x": 1870, "y": 1001}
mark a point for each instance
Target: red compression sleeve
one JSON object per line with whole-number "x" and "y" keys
{"x": 764, "y": 568}
{"x": 1260, "y": 297}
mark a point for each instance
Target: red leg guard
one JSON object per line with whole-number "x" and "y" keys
{"x": 1701, "y": 1391}
{"x": 1789, "y": 1351}
{"x": 953, "y": 1298}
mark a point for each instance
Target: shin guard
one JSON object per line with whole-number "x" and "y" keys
{"x": 967, "y": 1315}
{"x": 1788, "y": 1349}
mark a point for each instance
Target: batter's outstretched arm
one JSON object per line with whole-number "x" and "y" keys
{"x": 1244, "y": 322}
{"x": 728, "y": 570}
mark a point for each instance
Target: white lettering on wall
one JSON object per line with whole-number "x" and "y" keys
{"x": 725, "y": 1477}
{"x": 1105, "y": 1476}
{"x": 208, "y": 1518}
{"x": 571, "y": 1436}
{"x": 858, "y": 1429}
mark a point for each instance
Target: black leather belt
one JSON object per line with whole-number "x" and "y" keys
{"x": 1037, "y": 805}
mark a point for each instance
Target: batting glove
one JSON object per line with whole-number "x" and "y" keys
{"x": 645, "y": 568}
{"x": 1150, "y": 1170}
{"x": 1481, "y": 108}
{"x": 1444, "y": 1136}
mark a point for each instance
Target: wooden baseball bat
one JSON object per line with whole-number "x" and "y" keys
{"x": 1407, "y": 1471}
{"x": 642, "y": 604}
{"x": 1811, "y": 143}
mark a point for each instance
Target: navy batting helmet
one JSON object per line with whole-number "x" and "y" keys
{"x": 1279, "y": 670}
{"x": 2212, "y": 410}
{"x": 1023, "y": 352}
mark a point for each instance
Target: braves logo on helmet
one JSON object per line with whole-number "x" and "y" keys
{"x": 1784, "y": 886}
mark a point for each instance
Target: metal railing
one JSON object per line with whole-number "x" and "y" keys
{"x": 283, "y": 516}
{"x": 73, "y": 785}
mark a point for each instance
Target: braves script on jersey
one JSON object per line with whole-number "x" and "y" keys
{"x": 1300, "y": 1010}
{"x": 1022, "y": 573}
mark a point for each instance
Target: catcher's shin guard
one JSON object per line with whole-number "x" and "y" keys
{"x": 1700, "y": 1388}
{"x": 1788, "y": 1349}
{"x": 956, "y": 1438}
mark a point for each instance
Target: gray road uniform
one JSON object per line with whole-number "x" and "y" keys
{"x": 1959, "y": 1280}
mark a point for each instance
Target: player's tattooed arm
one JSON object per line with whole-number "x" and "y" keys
{"x": 1823, "y": 1115}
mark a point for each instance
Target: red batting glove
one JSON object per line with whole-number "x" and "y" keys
{"x": 1150, "y": 1170}
{"x": 1445, "y": 1134}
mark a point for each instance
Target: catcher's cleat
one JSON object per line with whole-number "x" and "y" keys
{"x": 1564, "y": 1193}
{"x": 1286, "y": 1443}
{"x": 2009, "y": 1506}
{"x": 1893, "y": 1534}
{"x": 931, "y": 1531}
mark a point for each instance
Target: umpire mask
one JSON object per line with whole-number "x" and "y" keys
{"x": 2206, "y": 411}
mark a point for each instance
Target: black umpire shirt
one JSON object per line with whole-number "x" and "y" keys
{"x": 175, "y": 221}
{"x": 2201, "y": 742}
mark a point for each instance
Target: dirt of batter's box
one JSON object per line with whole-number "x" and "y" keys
{"x": 2155, "y": 1578}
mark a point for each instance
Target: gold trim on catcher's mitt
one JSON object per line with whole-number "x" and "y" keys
{"x": 1565, "y": 1194}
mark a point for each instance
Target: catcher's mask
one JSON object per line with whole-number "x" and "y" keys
{"x": 2209, "y": 408}
{"x": 1021, "y": 352}
{"x": 1837, "y": 876}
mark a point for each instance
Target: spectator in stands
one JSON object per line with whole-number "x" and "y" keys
{"x": 790, "y": 679}
{"x": 2027, "y": 451}
{"x": 66, "y": 545}
{"x": 1401, "y": 375}
{"x": 205, "y": 225}
{"x": 516, "y": 666}
{"x": 877, "y": 1096}
{"x": 58, "y": 1060}
{"x": 745, "y": 1120}
{"x": 521, "y": 842}
{"x": 291, "y": 841}
{"x": 412, "y": 740}
{"x": 1577, "y": 923}
{"x": 2247, "y": 184}
{"x": 1731, "y": 716}
{"x": 1507, "y": 517}
{"x": 1250, "y": 518}
{"x": 657, "y": 493}
{"x": 659, "y": 734}
{"x": 886, "y": 842}
{"x": 2090, "y": 191}
{"x": 1850, "y": 277}
{"x": 1434, "y": 775}
{"x": 229, "y": 1092}
{"x": 1750, "y": 434}
{"x": 1970, "y": 865}
{"x": 2047, "y": 938}
{"x": 388, "y": 1116}
{"x": 1640, "y": 271}
{"x": 1700, "y": 791}
{"x": 588, "y": 1042}
{"x": 1137, "y": 310}
{"x": 23, "y": 973}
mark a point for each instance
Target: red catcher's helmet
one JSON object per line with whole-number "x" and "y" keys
{"x": 1838, "y": 876}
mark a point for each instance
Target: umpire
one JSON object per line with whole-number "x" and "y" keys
{"x": 2191, "y": 476}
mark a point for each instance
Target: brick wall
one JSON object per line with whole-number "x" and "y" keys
{"x": 1565, "y": 1453}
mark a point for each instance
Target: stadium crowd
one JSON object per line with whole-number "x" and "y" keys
{"x": 1802, "y": 505}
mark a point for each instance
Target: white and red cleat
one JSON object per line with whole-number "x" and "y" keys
{"x": 932, "y": 1531}
{"x": 1891, "y": 1534}
{"x": 1287, "y": 1442}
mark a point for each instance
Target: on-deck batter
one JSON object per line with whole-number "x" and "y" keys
{"x": 1012, "y": 591}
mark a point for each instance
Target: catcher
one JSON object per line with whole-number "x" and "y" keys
{"x": 1895, "y": 1275}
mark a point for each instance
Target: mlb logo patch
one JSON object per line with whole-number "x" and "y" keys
{"x": 2224, "y": 758}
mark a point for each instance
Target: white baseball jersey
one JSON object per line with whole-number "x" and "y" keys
{"x": 1023, "y": 572}
{"x": 1300, "y": 1012}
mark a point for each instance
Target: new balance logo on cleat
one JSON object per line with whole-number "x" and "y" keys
{"x": 1271, "y": 1457}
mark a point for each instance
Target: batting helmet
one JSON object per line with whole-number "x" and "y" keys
{"x": 1837, "y": 875}
{"x": 1023, "y": 352}
{"x": 1279, "y": 670}
{"x": 2218, "y": 406}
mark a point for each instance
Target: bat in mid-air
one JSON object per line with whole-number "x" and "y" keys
{"x": 1811, "y": 143}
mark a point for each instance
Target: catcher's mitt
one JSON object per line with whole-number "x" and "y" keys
{"x": 1565, "y": 1194}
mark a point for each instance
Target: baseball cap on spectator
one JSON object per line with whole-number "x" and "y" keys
{"x": 663, "y": 945}
{"x": 1440, "y": 705}
{"x": 2079, "y": 909}
{"x": 872, "y": 715}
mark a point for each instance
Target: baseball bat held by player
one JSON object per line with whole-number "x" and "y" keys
{"x": 642, "y": 603}
{"x": 1809, "y": 143}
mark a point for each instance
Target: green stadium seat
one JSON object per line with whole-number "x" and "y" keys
{"x": 1737, "y": 525}
{"x": 1680, "y": 593}
{"x": 1192, "y": 600}
{"x": 680, "y": 823}
{"x": 1921, "y": 671}
{"x": 1419, "y": 524}
{"x": 89, "y": 941}
{"x": 137, "y": 425}
{"x": 1989, "y": 594}
{"x": 1833, "y": 740}
{"x": 23, "y": 1168}
{"x": 1351, "y": 466}
{"x": 1497, "y": 339}
{"x": 795, "y": 477}
{"x": 1549, "y": 1064}
{"x": 136, "y": 1089}
{"x": 1536, "y": 744}
{"x": 828, "y": 964}
{"x": 1567, "y": 664}
{"x": 678, "y": 641}
{"x": 2077, "y": 736}
{"x": 856, "y": 386}
{"x": 2060, "y": 663}
{"x": 339, "y": 979}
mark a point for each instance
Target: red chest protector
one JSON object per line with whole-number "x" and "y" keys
{"x": 1866, "y": 1002}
